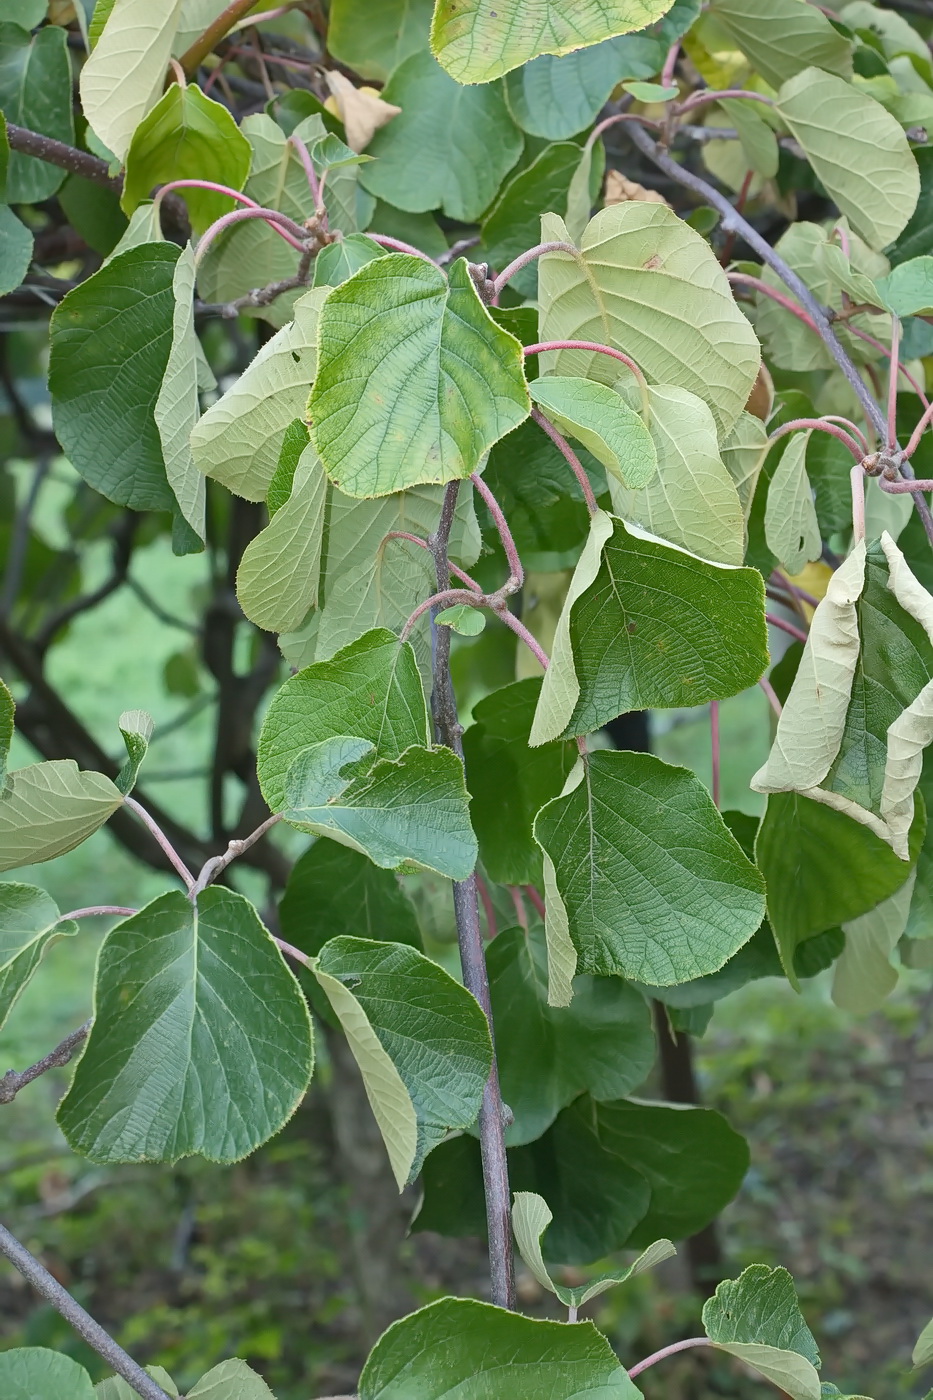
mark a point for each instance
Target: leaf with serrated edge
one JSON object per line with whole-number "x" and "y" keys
{"x": 49, "y": 808}
{"x": 459, "y": 1346}
{"x": 791, "y": 527}
{"x": 530, "y": 1219}
{"x": 645, "y": 632}
{"x": 862, "y": 975}
{"x": 116, "y": 1388}
{"x": 479, "y": 40}
{"x": 231, "y": 1380}
{"x": 780, "y": 37}
{"x": 857, "y": 149}
{"x": 429, "y": 1025}
{"x": 634, "y": 908}
{"x": 177, "y": 407}
{"x": 691, "y": 500}
{"x": 646, "y": 283}
{"x": 176, "y": 982}
{"x": 760, "y": 1306}
{"x": 415, "y": 380}
{"x": 238, "y": 439}
{"x": 791, "y": 1373}
{"x": 36, "y": 1373}
{"x": 599, "y": 418}
{"x": 29, "y": 922}
{"x": 122, "y": 78}
{"x": 277, "y": 578}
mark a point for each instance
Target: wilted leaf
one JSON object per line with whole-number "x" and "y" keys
{"x": 363, "y": 112}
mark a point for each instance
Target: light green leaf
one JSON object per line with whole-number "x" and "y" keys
{"x": 145, "y": 226}
{"x": 760, "y": 1306}
{"x": 792, "y": 1374}
{"x": 333, "y": 890}
{"x": 239, "y": 437}
{"x": 425, "y": 158}
{"x": 26, "y": 13}
{"x": 654, "y": 885}
{"x": 277, "y": 579}
{"x": 477, "y": 41}
{"x": 294, "y": 442}
{"x": 602, "y": 1043}
{"x": 35, "y": 1373}
{"x": 791, "y": 527}
{"x": 49, "y": 808}
{"x": 758, "y": 141}
{"x": 122, "y": 79}
{"x": 7, "y": 713}
{"x": 651, "y": 92}
{"x": 642, "y": 628}
{"x": 35, "y": 92}
{"x": 691, "y": 500}
{"x": 16, "y": 244}
{"x": 530, "y": 1219}
{"x": 511, "y": 225}
{"x": 116, "y": 1388}
{"x": 432, "y": 1030}
{"x": 370, "y": 689}
{"x": 409, "y": 809}
{"x": 29, "y": 922}
{"x": 136, "y": 728}
{"x": 463, "y": 1347}
{"x": 863, "y": 976}
{"x": 781, "y": 37}
{"x": 183, "y": 136}
{"x": 896, "y": 33}
{"x": 177, "y": 406}
{"x": 599, "y": 418}
{"x": 231, "y": 1380}
{"x": 374, "y": 41}
{"x": 557, "y": 97}
{"x": 415, "y": 380}
{"x": 645, "y": 283}
{"x": 509, "y": 781}
{"x": 111, "y": 341}
{"x": 743, "y": 453}
{"x": 908, "y": 290}
{"x": 579, "y": 197}
{"x": 175, "y": 983}
{"x": 469, "y": 622}
{"x": 338, "y": 261}
{"x": 196, "y": 15}
{"x": 923, "y": 1351}
{"x": 858, "y": 151}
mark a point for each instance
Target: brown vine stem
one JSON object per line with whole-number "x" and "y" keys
{"x": 733, "y": 221}
{"x": 14, "y": 1080}
{"x": 469, "y": 936}
{"x": 32, "y": 143}
{"x": 82, "y": 1322}
{"x": 225, "y": 21}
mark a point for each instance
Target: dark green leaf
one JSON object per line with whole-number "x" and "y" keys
{"x": 16, "y": 243}
{"x": 35, "y": 92}
{"x": 916, "y": 238}
{"x": 333, "y": 890}
{"x": 35, "y": 1373}
{"x": 29, "y": 922}
{"x": 541, "y": 501}
{"x": 375, "y": 40}
{"x": 294, "y": 442}
{"x": 338, "y": 261}
{"x": 420, "y": 230}
{"x": 513, "y": 223}
{"x": 760, "y": 1306}
{"x": 557, "y": 97}
{"x": 94, "y": 212}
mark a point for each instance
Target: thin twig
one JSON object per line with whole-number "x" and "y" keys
{"x": 162, "y": 839}
{"x": 785, "y": 626}
{"x": 531, "y": 255}
{"x": 213, "y": 867}
{"x": 501, "y": 524}
{"x": 819, "y": 425}
{"x": 222, "y": 25}
{"x": 416, "y": 539}
{"x": 398, "y": 245}
{"x": 570, "y": 457}
{"x": 667, "y": 1351}
{"x": 14, "y": 1080}
{"x": 769, "y": 690}
{"x": 32, "y": 143}
{"x": 96, "y": 911}
{"x": 521, "y": 631}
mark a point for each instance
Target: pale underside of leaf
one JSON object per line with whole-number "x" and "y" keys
{"x": 122, "y": 79}
{"x": 862, "y": 975}
{"x": 791, "y": 526}
{"x": 277, "y": 580}
{"x": 49, "y": 808}
{"x": 177, "y": 408}
{"x": 790, "y": 1372}
{"x": 29, "y": 922}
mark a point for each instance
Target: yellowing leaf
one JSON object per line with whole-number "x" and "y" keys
{"x": 361, "y": 110}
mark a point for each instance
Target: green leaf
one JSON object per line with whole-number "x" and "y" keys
{"x": 463, "y": 1347}
{"x": 426, "y": 157}
{"x": 691, "y": 500}
{"x": 530, "y": 1219}
{"x": 333, "y": 890}
{"x": 509, "y": 781}
{"x": 177, "y": 407}
{"x": 431, "y": 1028}
{"x": 183, "y": 136}
{"x": 557, "y": 97}
{"x": 337, "y": 262}
{"x": 49, "y": 808}
{"x": 16, "y": 244}
{"x": 791, "y": 527}
{"x": 294, "y": 442}
{"x": 758, "y": 141}
{"x": 477, "y": 41}
{"x": 603, "y": 1043}
{"x": 511, "y": 225}
{"x": 784, "y": 37}
{"x": 136, "y": 728}
{"x": 370, "y": 689}
{"x": 540, "y": 499}
{"x": 122, "y": 79}
{"x": 111, "y": 340}
{"x": 792, "y": 1374}
{"x": 743, "y": 453}
{"x": 374, "y": 41}
{"x": 29, "y": 922}
{"x": 651, "y": 92}
{"x": 239, "y": 438}
{"x": 35, "y": 1373}
{"x": 909, "y": 288}
{"x": 599, "y": 418}
{"x": 35, "y": 92}
{"x": 645, "y": 283}
{"x": 231, "y": 1380}
{"x": 923, "y": 1351}
{"x": 415, "y": 380}
{"x": 642, "y": 628}
{"x": 469, "y": 622}
{"x": 175, "y": 983}
{"x": 916, "y": 238}
{"x": 653, "y": 884}
{"x": 116, "y": 1388}
{"x": 421, "y": 230}
{"x": 278, "y": 575}
{"x": 7, "y": 714}
{"x": 822, "y": 868}
{"x": 26, "y": 13}
{"x": 757, "y": 1318}
{"x": 410, "y": 809}
{"x": 863, "y": 976}
{"x": 858, "y": 151}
